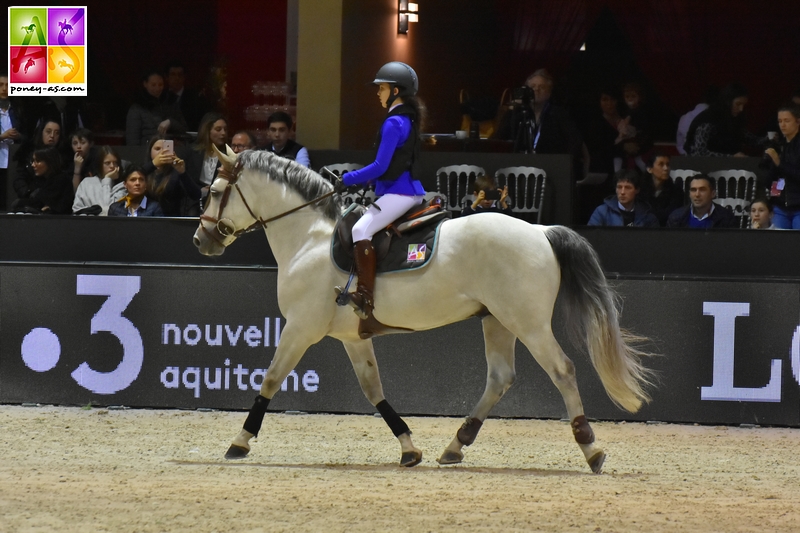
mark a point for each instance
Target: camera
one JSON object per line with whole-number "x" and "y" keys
{"x": 522, "y": 95}
{"x": 492, "y": 194}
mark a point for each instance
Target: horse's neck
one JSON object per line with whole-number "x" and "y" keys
{"x": 293, "y": 235}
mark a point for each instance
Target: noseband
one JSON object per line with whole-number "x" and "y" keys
{"x": 225, "y": 227}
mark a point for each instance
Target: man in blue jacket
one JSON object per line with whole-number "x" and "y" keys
{"x": 624, "y": 209}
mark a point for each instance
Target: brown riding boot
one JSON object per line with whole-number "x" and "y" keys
{"x": 362, "y": 300}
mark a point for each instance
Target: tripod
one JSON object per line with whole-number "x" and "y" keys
{"x": 524, "y": 126}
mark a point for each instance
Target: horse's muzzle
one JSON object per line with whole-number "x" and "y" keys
{"x": 206, "y": 245}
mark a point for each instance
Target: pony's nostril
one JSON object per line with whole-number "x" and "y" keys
{"x": 196, "y": 241}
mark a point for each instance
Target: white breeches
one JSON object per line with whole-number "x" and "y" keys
{"x": 374, "y": 220}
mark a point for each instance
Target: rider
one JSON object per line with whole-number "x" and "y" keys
{"x": 392, "y": 172}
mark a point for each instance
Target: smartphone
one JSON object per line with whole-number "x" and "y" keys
{"x": 168, "y": 147}
{"x": 493, "y": 194}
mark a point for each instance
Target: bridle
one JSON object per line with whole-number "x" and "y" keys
{"x": 225, "y": 227}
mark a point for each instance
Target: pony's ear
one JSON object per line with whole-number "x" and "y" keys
{"x": 228, "y": 159}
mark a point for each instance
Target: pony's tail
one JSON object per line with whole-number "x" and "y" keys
{"x": 593, "y": 315}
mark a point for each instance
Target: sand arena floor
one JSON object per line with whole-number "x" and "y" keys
{"x": 72, "y": 470}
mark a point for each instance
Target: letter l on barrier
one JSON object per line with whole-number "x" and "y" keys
{"x": 722, "y": 388}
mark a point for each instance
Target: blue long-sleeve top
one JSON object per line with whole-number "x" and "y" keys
{"x": 394, "y": 133}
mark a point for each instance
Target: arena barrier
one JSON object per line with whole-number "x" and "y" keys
{"x": 202, "y": 337}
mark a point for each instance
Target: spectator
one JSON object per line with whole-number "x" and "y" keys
{"x": 188, "y": 100}
{"x": 136, "y": 202}
{"x": 711, "y": 94}
{"x": 640, "y": 122}
{"x": 719, "y": 130}
{"x": 702, "y": 212}
{"x": 8, "y": 134}
{"x": 279, "y": 126}
{"x": 47, "y": 135}
{"x": 84, "y": 154}
{"x": 241, "y": 141}
{"x": 784, "y": 170}
{"x": 761, "y": 213}
{"x": 605, "y": 135}
{"x": 151, "y": 113}
{"x": 202, "y": 163}
{"x": 536, "y": 125}
{"x": 95, "y": 193}
{"x": 168, "y": 182}
{"x": 658, "y": 190}
{"x": 624, "y": 209}
{"x": 488, "y": 198}
{"x": 48, "y": 190}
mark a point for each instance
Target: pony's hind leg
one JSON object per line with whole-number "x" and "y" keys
{"x": 500, "y": 376}
{"x": 560, "y": 368}
{"x": 362, "y": 357}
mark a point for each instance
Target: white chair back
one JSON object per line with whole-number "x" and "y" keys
{"x": 679, "y": 176}
{"x": 740, "y": 209}
{"x": 735, "y": 184}
{"x": 341, "y": 168}
{"x": 455, "y": 182}
{"x": 526, "y": 188}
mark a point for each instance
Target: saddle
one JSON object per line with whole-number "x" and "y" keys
{"x": 406, "y": 243}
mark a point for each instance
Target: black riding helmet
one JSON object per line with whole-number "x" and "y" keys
{"x": 399, "y": 75}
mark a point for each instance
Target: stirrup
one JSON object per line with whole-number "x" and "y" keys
{"x": 346, "y": 298}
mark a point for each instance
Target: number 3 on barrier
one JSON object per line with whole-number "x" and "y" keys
{"x": 120, "y": 291}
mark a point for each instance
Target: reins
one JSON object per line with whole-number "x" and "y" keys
{"x": 229, "y": 230}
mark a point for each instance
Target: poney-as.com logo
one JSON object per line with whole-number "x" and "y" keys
{"x": 47, "y": 50}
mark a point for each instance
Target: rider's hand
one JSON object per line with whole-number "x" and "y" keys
{"x": 340, "y": 188}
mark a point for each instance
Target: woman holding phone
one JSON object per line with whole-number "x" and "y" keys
{"x": 167, "y": 180}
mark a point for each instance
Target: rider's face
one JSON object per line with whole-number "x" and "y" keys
{"x": 384, "y": 91}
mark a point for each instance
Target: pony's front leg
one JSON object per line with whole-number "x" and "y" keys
{"x": 294, "y": 343}
{"x": 362, "y": 357}
{"x": 500, "y": 376}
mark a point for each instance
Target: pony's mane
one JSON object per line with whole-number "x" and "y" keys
{"x": 304, "y": 181}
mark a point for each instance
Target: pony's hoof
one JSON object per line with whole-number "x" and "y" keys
{"x": 449, "y": 457}
{"x": 596, "y": 462}
{"x": 412, "y": 458}
{"x": 236, "y": 452}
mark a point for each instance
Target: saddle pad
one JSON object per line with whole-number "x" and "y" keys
{"x": 409, "y": 251}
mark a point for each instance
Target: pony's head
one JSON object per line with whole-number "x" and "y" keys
{"x": 256, "y": 188}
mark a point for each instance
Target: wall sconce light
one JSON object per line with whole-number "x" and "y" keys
{"x": 406, "y": 12}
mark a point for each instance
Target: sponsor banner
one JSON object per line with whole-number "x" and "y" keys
{"x": 204, "y": 338}
{"x": 47, "y": 51}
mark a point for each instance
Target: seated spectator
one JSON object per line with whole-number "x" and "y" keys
{"x": 702, "y": 212}
{"x": 151, "y": 114}
{"x": 761, "y": 213}
{"x": 536, "y": 125}
{"x": 488, "y": 198}
{"x": 784, "y": 170}
{"x": 46, "y": 135}
{"x": 624, "y": 209}
{"x": 243, "y": 140}
{"x": 658, "y": 190}
{"x": 280, "y": 129}
{"x": 169, "y": 183}
{"x": 202, "y": 163}
{"x": 710, "y": 96}
{"x": 96, "y": 193}
{"x": 720, "y": 129}
{"x": 135, "y": 203}
{"x": 48, "y": 190}
{"x": 84, "y": 156}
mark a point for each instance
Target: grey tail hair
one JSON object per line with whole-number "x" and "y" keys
{"x": 593, "y": 309}
{"x": 304, "y": 181}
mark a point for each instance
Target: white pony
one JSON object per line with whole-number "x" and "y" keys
{"x": 533, "y": 263}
